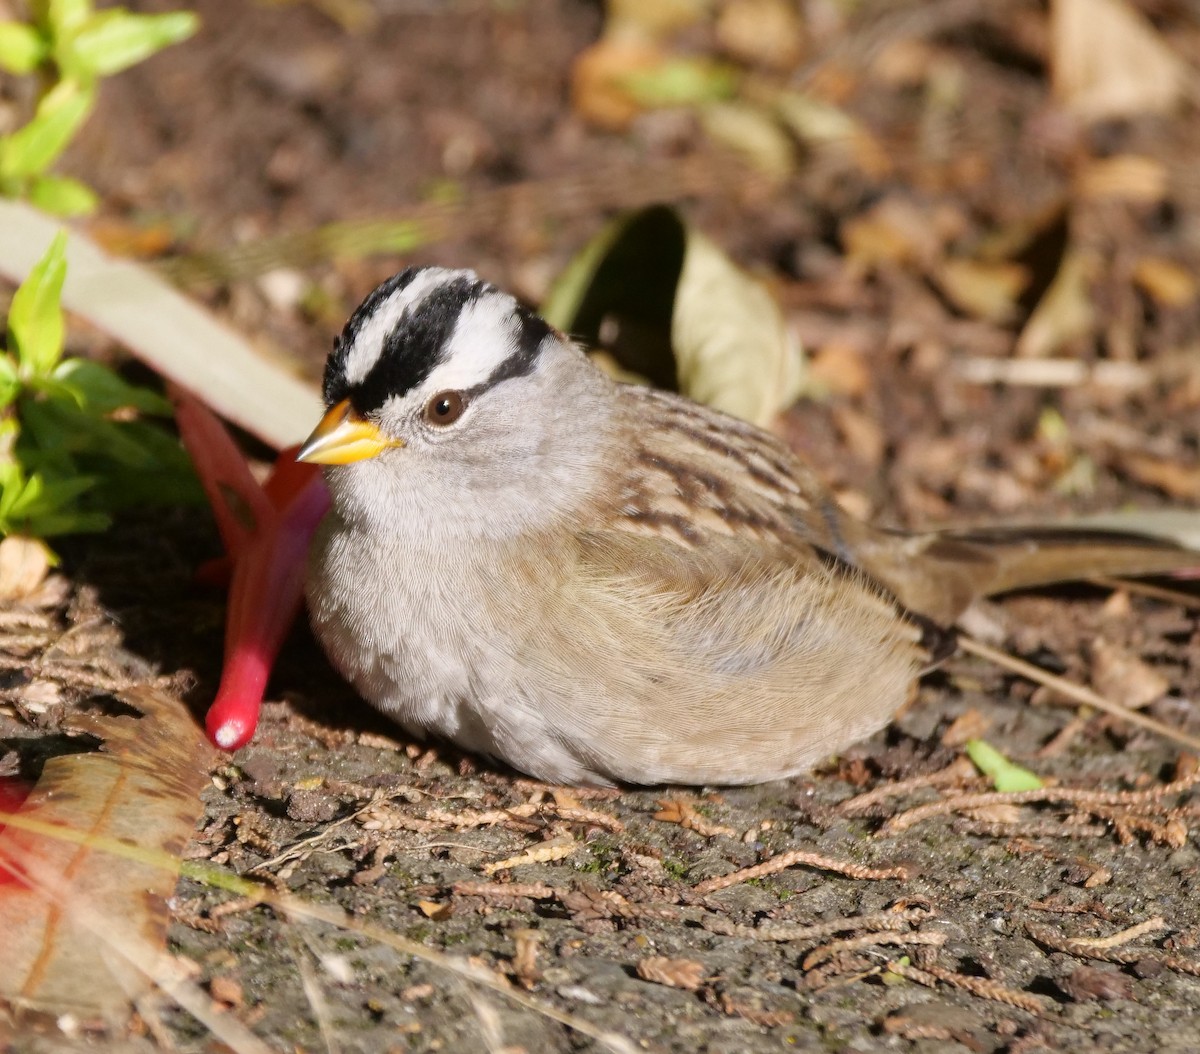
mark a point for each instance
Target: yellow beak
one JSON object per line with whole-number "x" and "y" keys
{"x": 343, "y": 437}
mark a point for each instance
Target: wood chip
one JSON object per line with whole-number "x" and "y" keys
{"x": 687, "y": 974}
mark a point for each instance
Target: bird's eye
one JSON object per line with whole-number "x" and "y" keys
{"x": 445, "y": 408}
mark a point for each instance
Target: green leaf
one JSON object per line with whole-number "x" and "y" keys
{"x": 10, "y": 383}
{"x": 46, "y": 525}
{"x": 681, "y": 82}
{"x": 1006, "y": 777}
{"x": 12, "y": 485}
{"x": 21, "y": 47}
{"x": 35, "y": 318}
{"x": 65, "y": 17}
{"x": 115, "y": 40}
{"x": 30, "y": 150}
{"x": 102, "y": 391}
{"x": 61, "y": 196}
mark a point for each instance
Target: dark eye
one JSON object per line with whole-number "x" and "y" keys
{"x": 445, "y": 408}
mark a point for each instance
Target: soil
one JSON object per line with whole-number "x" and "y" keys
{"x": 275, "y": 119}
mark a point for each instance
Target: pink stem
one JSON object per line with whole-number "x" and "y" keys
{"x": 264, "y": 598}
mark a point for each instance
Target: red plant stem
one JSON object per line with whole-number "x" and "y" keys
{"x": 264, "y": 598}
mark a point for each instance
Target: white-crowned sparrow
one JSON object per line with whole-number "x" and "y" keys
{"x": 597, "y": 582}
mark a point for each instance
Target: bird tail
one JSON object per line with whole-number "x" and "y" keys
{"x": 962, "y": 565}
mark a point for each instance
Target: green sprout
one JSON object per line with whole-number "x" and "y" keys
{"x": 73, "y": 447}
{"x": 71, "y": 46}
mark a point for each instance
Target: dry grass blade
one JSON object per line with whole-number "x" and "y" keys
{"x": 300, "y": 909}
{"x": 112, "y": 934}
{"x": 169, "y": 332}
{"x": 1074, "y": 691}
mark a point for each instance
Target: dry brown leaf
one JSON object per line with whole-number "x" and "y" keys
{"x": 893, "y": 231}
{"x": 986, "y": 290}
{"x": 1121, "y": 675}
{"x": 599, "y": 79}
{"x": 752, "y": 132}
{"x": 674, "y": 973}
{"x": 1164, "y": 281}
{"x": 971, "y": 724}
{"x": 526, "y": 943}
{"x": 762, "y": 32}
{"x": 840, "y": 368}
{"x": 24, "y": 564}
{"x": 1108, "y": 61}
{"x": 142, "y": 790}
{"x": 432, "y": 909}
{"x": 1169, "y": 476}
{"x": 1064, "y": 313}
{"x": 1126, "y": 177}
{"x": 654, "y": 18}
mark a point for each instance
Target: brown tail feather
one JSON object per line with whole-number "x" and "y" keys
{"x": 940, "y": 574}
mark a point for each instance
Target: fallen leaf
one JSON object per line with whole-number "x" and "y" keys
{"x": 1125, "y": 177}
{"x": 752, "y": 132}
{"x": 1064, "y": 313}
{"x": 1168, "y": 475}
{"x": 761, "y": 32}
{"x": 1108, "y": 61}
{"x": 668, "y": 305}
{"x": 970, "y": 724}
{"x": 985, "y": 290}
{"x": 140, "y": 793}
{"x": 1006, "y": 776}
{"x": 1164, "y": 281}
{"x": 1118, "y": 674}
{"x": 24, "y": 564}
{"x": 687, "y": 974}
{"x": 840, "y": 368}
{"x": 431, "y": 909}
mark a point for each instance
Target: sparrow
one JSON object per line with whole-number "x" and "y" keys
{"x": 602, "y": 583}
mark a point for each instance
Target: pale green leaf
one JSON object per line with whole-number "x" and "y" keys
{"x": 680, "y": 82}
{"x": 10, "y": 383}
{"x": 102, "y": 391}
{"x": 21, "y": 47}
{"x": 115, "y": 40}
{"x": 1006, "y": 776}
{"x": 35, "y": 318}
{"x": 676, "y": 311}
{"x": 31, "y": 149}
{"x": 61, "y": 196}
{"x": 65, "y": 17}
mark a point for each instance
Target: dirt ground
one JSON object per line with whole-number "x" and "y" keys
{"x": 965, "y": 928}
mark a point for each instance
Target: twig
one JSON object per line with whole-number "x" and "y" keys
{"x": 1151, "y": 925}
{"x": 960, "y": 770}
{"x": 870, "y": 940}
{"x": 984, "y": 987}
{"x": 1148, "y": 589}
{"x": 1044, "y": 794}
{"x": 1074, "y": 691}
{"x": 785, "y": 860}
{"x": 881, "y": 921}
